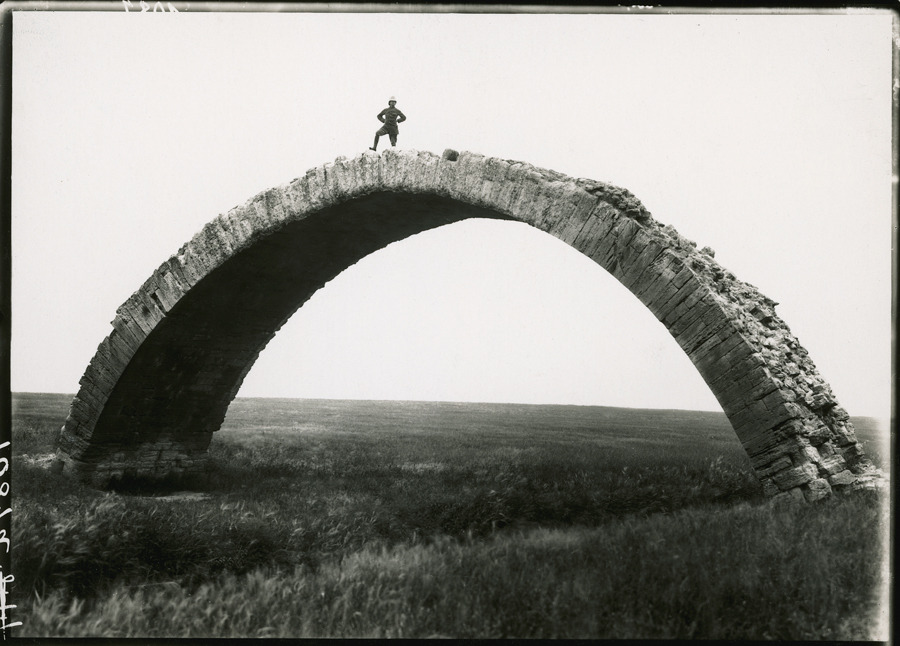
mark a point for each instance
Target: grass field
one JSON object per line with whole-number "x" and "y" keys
{"x": 409, "y": 519}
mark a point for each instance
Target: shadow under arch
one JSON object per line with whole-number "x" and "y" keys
{"x": 159, "y": 385}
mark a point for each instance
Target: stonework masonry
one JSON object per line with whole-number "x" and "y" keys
{"x": 181, "y": 345}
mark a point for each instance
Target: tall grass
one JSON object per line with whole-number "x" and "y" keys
{"x": 744, "y": 572}
{"x": 398, "y": 529}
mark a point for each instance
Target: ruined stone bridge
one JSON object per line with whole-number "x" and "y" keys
{"x": 181, "y": 345}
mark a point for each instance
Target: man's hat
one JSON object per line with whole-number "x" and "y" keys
{"x": 393, "y": 98}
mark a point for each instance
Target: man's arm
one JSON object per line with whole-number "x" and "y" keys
{"x": 400, "y": 117}
{"x": 381, "y": 115}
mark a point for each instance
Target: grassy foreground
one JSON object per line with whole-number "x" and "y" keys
{"x": 391, "y": 519}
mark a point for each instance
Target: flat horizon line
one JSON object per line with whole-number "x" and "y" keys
{"x": 888, "y": 419}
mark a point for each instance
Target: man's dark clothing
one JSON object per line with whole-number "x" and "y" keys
{"x": 390, "y": 117}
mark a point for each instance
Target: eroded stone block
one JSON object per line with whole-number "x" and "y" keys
{"x": 795, "y": 476}
{"x": 817, "y": 490}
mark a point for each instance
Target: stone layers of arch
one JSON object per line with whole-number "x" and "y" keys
{"x": 160, "y": 383}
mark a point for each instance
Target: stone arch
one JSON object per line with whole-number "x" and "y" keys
{"x": 159, "y": 385}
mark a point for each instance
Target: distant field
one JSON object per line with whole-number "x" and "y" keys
{"x": 677, "y": 431}
{"x": 323, "y": 518}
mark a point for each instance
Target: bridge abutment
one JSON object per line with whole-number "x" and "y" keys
{"x": 164, "y": 459}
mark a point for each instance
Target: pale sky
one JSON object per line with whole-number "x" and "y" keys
{"x": 765, "y": 137}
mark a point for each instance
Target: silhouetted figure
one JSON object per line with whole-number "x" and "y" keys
{"x": 390, "y": 117}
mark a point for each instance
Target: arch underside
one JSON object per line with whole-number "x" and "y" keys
{"x": 176, "y": 389}
{"x": 161, "y": 383}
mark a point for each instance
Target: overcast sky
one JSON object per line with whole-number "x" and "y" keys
{"x": 766, "y": 137}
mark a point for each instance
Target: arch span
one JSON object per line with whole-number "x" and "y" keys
{"x": 160, "y": 383}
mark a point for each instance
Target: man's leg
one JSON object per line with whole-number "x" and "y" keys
{"x": 393, "y": 137}
{"x": 375, "y": 145}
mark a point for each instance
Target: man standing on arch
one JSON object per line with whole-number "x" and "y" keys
{"x": 390, "y": 117}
